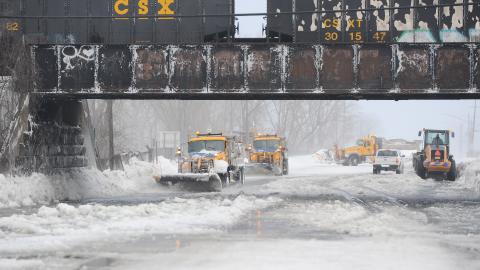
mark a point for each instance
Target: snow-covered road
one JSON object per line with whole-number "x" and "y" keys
{"x": 320, "y": 217}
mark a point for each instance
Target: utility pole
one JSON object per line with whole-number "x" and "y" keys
{"x": 111, "y": 150}
{"x": 473, "y": 127}
{"x": 246, "y": 121}
{"x": 344, "y": 123}
{"x": 184, "y": 122}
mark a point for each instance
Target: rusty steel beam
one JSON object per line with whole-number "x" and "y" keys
{"x": 259, "y": 71}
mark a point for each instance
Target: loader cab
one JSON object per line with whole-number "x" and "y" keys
{"x": 436, "y": 137}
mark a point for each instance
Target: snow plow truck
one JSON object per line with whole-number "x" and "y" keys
{"x": 435, "y": 159}
{"x": 210, "y": 162}
{"x": 268, "y": 154}
{"x": 366, "y": 148}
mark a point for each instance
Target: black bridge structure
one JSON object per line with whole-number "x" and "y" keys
{"x": 259, "y": 71}
{"x": 313, "y": 49}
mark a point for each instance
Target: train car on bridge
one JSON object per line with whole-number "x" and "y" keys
{"x": 118, "y": 21}
{"x": 374, "y": 21}
{"x": 299, "y": 21}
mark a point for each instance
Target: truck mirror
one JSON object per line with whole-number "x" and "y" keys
{"x": 453, "y": 134}
{"x": 420, "y": 133}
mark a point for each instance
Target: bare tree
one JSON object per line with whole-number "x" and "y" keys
{"x": 311, "y": 124}
{"x": 16, "y": 77}
{"x": 308, "y": 125}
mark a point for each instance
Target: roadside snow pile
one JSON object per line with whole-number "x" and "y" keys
{"x": 470, "y": 175}
{"x": 79, "y": 184}
{"x": 324, "y": 156}
{"x": 66, "y": 226}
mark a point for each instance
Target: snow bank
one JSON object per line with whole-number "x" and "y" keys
{"x": 324, "y": 156}
{"x": 79, "y": 184}
{"x": 470, "y": 175}
{"x": 65, "y": 226}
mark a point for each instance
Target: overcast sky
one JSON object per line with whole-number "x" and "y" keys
{"x": 402, "y": 119}
{"x": 251, "y": 26}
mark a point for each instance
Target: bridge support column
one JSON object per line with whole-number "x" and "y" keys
{"x": 50, "y": 136}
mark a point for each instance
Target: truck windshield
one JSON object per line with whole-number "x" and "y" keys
{"x": 266, "y": 145}
{"x": 436, "y": 137}
{"x": 387, "y": 153}
{"x": 199, "y": 146}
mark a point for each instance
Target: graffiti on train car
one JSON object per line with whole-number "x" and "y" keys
{"x": 377, "y": 21}
{"x": 122, "y": 7}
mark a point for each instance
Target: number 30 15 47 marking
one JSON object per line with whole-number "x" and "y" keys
{"x": 13, "y": 26}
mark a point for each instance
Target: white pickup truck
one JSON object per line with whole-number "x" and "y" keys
{"x": 388, "y": 160}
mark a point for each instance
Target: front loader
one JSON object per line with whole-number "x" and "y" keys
{"x": 435, "y": 159}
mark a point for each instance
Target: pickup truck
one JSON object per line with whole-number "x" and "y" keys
{"x": 388, "y": 160}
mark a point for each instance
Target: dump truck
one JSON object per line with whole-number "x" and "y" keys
{"x": 210, "y": 162}
{"x": 435, "y": 159}
{"x": 366, "y": 148}
{"x": 268, "y": 154}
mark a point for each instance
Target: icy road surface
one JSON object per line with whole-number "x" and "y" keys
{"x": 319, "y": 217}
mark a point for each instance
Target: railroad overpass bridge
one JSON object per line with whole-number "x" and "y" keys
{"x": 259, "y": 71}
{"x": 53, "y": 132}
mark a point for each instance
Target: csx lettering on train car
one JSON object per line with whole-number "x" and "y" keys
{"x": 108, "y": 21}
{"x": 122, "y": 7}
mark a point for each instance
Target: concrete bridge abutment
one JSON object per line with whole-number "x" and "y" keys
{"x": 49, "y": 135}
